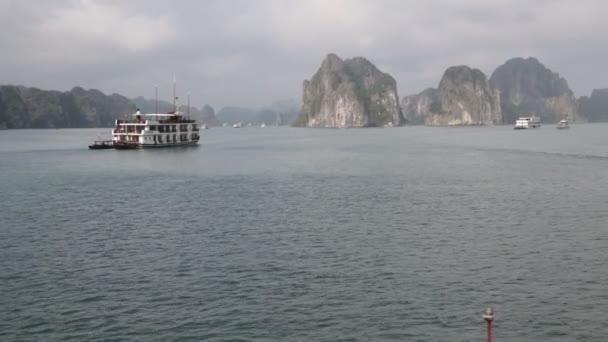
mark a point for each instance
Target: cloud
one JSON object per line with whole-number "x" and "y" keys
{"x": 107, "y": 25}
{"x": 254, "y": 52}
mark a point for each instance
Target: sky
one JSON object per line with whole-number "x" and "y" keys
{"x": 255, "y": 52}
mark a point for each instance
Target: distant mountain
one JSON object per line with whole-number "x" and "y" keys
{"x": 23, "y": 107}
{"x": 349, "y": 93}
{"x": 527, "y": 86}
{"x": 288, "y": 105}
{"x": 206, "y": 115}
{"x": 148, "y": 106}
{"x": 595, "y": 107}
{"x": 464, "y": 97}
{"x": 278, "y": 114}
{"x": 232, "y": 115}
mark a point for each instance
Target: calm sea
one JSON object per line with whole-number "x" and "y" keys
{"x": 283, "y": 234}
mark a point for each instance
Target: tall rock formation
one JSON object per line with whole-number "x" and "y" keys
{"x": 527, "y": 86}
{"x": 595, "y": 107}
{"x": 349, "y": 93}
{"x": 464, "y": 97}
{"x": 207, "y": 116}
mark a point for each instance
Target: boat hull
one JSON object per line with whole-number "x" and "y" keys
{"x": 180, "y": 144}
{"x": 101, "y": 147}
{"x": 133, "y": 146}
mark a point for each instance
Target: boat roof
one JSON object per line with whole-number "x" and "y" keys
{"x": 165, "y": 114}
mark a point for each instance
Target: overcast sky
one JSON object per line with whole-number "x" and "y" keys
{"x": 253, "y": 52}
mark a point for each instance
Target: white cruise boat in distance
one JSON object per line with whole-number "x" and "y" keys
{"x": 527, "y": 122}
{"x": 563, "y": 124}
{"x": 155, "y": 130}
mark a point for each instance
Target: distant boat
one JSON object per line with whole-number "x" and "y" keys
{"x": 563, "y": 124}
{"x": 237, "y": 125}
{"x": 527, "y": 122}
{"x": 263, "y": 125}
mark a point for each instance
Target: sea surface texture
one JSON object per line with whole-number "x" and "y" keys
{"x": 284, "y": 234}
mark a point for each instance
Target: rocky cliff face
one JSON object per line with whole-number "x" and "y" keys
{"x": 595, "y": 107}
{"x": 22, "y": 107}
{"x": 464, "y": 97}
{"x": 207, "y": 116}
{"x": 349, "y": 93}
{"x": 527, "y": 86}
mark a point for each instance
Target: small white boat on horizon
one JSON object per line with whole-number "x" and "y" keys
{"x": 527, "y": 122}
{"x": 237, "y": 125}
{"x": 563, "y": 124}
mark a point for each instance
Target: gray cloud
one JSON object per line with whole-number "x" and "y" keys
{"x": 254, "y": 52}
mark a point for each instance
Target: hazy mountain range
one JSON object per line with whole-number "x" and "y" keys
{"x": 342, "y": 93}
{"x": 23, "y": 107}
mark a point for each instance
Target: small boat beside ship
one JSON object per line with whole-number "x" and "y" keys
{"x": 527, "y": 122}
{"x": 102, "y": 145}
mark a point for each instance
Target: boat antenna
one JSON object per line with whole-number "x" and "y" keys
{"x": 174, "y": 97}
{"x": 188, "y": 105}
{"x": 156, "y": 101}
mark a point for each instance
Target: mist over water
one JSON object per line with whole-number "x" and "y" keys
{"x": 282, "y": 234}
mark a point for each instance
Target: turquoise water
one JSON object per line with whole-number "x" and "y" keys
{"x": 282, "y": 234}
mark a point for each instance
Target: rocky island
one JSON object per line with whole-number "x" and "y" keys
{"x": 463, "y": 97}
{"x": 519, "y": 87}
{"x": 527, "y": 86}
{"x": 349, "y": 93}
{"x": 595, "y": 107}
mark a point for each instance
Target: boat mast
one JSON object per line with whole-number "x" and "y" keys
{"x": 188, "y": 105}
{"x": 156, "y": 101}
{"x": 174, "y": 97}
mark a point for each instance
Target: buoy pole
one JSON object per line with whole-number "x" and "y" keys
{"x": 488, "y": 316}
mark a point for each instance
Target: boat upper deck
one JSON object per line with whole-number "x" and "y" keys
{"x": 155, "y": 119}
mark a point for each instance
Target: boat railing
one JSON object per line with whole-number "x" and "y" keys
{"x": 127, "y": 131}
{"x": 129, "y": 121}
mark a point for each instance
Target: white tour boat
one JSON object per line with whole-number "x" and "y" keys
{"x": 527, "y": 122}
{"x": 563, "y": 124}
{"x": 155, "y": 130}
